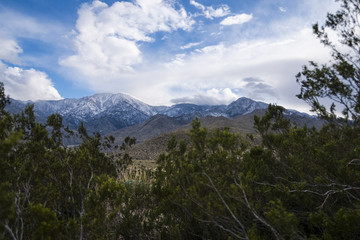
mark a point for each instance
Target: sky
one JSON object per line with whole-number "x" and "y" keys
{"x": 162, "y": 52}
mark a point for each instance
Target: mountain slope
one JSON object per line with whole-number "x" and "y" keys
{"x": 156, "y": 125}
{"x": 150, "y": 146}
{"x": 100, "y": 112}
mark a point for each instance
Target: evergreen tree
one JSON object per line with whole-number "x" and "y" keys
{"x": 338, "y": 80}
{"x": 51, "y": 191}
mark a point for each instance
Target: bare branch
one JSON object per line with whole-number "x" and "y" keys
{"x": 8, "y": 229}
{"x": 354, "y": 162}
{"x": 216, "y": 223}
{"x": 226, "y": 205}
{"x": 256, "y": 215}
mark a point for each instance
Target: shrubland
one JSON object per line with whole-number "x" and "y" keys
{"x": 298, "y": 183}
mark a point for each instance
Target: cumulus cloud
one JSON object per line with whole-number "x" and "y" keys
{"x": 23, "y": 84}
{"x": 210, "y": 12}
{"x": 27, "y": 84}
{"x": 236, "y": 19}
{"x": 108, "y": 37}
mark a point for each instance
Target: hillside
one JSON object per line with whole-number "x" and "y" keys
{"x": 153, "y": 135}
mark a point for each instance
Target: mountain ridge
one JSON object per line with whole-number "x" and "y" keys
{"x": 121, "y": 110}
{"x": 106, "y": 112}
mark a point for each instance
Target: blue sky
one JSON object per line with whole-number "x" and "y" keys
{"x": 160, "y": 51}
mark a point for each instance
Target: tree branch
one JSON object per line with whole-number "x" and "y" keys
{"x": 226, "y": 205}
{"x": 8, "y": 229}
{"x": 256, "y": 215}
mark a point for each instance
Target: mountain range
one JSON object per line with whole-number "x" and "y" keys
{"x": 106, "y": 112}
{"x": 122, "y": 115}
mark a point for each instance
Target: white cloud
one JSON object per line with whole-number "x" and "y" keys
{"x": 9, "y": 50}
{"x": 24, "y": 84}
{"x": 213, "y": 96}
{"x": 237, "y": 19}
{"x": 27, "y": 84}
{"x": 210, "y": 12}
{"x": 190, "y": 45}
{"x": 282, "y": 9}
{"x": 108, "y": 37}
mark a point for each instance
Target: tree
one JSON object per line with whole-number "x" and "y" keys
{"x": 51, "y": 191}
{"x": 206, "y": 189}
{"x": 340, "y": 79}
{"x": 300, "y": 182}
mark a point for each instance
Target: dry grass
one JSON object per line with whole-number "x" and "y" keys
{"x": 147, "y": 164}
{"x": 139, "y": 170}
